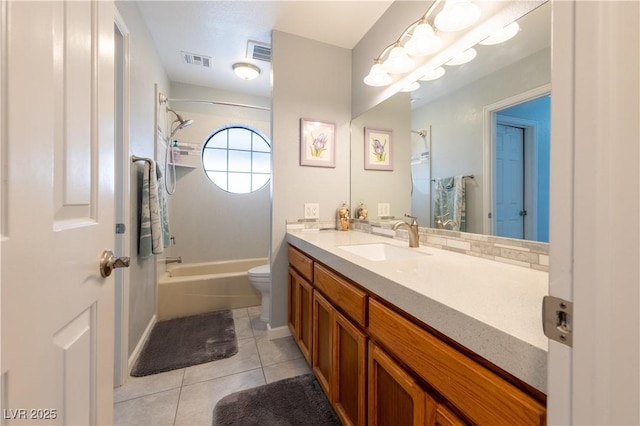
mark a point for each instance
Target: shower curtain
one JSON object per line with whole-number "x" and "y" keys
{"x": 449, "y": 201}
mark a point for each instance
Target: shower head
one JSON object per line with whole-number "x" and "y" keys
{"x": 182, "y": 123}
{"x": 179, "y": 119}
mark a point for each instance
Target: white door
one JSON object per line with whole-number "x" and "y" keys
{"x": 595, "y": 212}
{"x": 509, "y": 210}
{"x": 57, "y": 310}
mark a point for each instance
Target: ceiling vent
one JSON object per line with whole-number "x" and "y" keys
{"x": 195, "y": 59}
{"x": 258, "y": 51}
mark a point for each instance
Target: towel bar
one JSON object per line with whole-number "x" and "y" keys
{"x": 465, "y": 177}
{"x": 135, "y": 158}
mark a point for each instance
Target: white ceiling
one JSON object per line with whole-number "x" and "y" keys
{"x": 221, "y": 29}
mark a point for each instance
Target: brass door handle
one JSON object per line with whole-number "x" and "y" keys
{"x": 108, "y": 262}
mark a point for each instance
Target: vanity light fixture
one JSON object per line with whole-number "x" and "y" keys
{"x": 246, "y": 71}
{"x": 457, "y": 15}
{"x": 398, "y": 61}
{"x": 423, "y": 41}
{"x": 433, "y": 74}
{"x": 420, "y": 39}
{"x": 411, "y": 87}
{"x": 463, "y": 57}
{"x": 378, "y": 76}
{"x": 500, "y": 36}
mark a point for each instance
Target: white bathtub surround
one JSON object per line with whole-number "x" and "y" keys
{"x": 492, "y": 308}
{"x": 194, "y": 288}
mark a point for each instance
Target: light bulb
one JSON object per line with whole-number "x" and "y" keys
{"x": 377, "y": 76}
{"x": 433, "y": 74}
{"x": 464, "y": 57}
{"x": 246, "y": 71}
{"x": 423, "y": 41}
{"x": 398, "y": 61}
{"x": 411, "y": 87}
{"x": 457, "y": 15}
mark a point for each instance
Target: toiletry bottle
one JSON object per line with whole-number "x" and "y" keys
{"x": 175, "y": 152}
{"x": 343, "y": 218}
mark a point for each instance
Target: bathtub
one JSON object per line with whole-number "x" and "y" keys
{"x": 195, "y": 288}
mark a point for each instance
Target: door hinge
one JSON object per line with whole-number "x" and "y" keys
{"x": 557, "y": 317}
{"x": 120, "y": 228}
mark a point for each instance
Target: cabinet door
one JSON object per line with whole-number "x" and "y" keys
{"x": 305, "y": 312}
{"x": 348, "y": 371}
{"x": 394, "y": 396}
{"x": 300, "y": 312}
{"x": 321, "y": 346}
{"x": 292, "y": 303}
{"x": 439, "y": 415}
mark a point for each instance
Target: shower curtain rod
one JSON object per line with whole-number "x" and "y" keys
{"x": 422, "y": 133}
{"x": 204, "y": 101}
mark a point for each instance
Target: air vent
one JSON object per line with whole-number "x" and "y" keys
{"x": 258, "y": 51}
{"x": 195, "y": 59}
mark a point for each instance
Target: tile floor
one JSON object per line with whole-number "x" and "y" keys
{"x": 188, "y": 396}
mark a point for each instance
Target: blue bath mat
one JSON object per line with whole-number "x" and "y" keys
{"x": 183, "y": 342}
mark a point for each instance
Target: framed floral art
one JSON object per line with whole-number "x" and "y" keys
{"x": 378, "y": 149}
{"x": 317, "y": 143}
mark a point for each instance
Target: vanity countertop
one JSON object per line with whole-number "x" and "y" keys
{"x": 492, "y": 308}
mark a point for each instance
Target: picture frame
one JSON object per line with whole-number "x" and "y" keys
{"x": 378, "y": 149}
{"x": 317, "y": 143}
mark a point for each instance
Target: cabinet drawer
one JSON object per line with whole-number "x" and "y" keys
{"x": 301, "y": 263}
{"x": 479, "y": 393}
{"x": 351, "y": 300}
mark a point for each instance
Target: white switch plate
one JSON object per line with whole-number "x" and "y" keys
{"x": 383, "y": 209}
{"x": 311, "y": 211}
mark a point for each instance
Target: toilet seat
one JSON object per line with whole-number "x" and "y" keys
{"x": 262, "y": 271}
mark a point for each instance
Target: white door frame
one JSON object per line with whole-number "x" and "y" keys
{"x": 489, "y": 129}
{"x": 122, "y": 194}
{"x": 595, "y": 210}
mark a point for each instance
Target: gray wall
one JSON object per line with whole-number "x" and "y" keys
{"x": 145, "y": 70}
{"x": 378, "y": 186}
{"x": 457, "y": 124}
{"x": 208, "y": 223}
{"x": 310, "y": 80}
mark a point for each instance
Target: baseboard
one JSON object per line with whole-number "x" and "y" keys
{"x": 278, "y": 332}
{"x": 143, "y": 339}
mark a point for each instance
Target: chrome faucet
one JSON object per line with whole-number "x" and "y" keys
{"x": 414, "y": 240}
{"x": 169, "y": 259}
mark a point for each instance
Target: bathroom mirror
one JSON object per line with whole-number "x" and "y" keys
{"x": 449, "y": 127}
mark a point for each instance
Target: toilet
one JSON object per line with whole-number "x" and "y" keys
{"x": 260, "y": 278}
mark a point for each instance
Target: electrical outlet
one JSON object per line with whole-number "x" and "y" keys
{"x": 383, "y": 209}
{"x": 311, "y": 211}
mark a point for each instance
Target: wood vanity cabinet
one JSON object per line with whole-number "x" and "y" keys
{"x": 340, "y": 344}
{"x": 475, "y": 391}
{"x": 378, "y": 366}
{"x": 300, "y": 309}
{"x": 396, "y": 398}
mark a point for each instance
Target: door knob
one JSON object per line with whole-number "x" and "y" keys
{"x": 108, "y": 262}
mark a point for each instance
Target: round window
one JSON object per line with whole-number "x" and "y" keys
{"x": 237, "y": 159}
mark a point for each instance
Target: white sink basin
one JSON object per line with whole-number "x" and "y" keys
{"x": 381, "y": 251}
